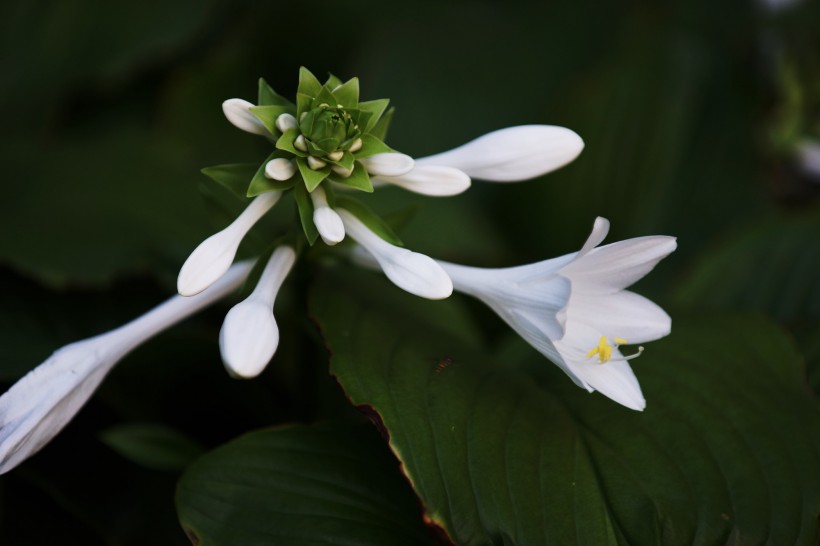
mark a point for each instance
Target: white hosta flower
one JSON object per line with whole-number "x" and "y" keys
{"x": 575, "y": 311}
{"x": 238, "y": 112}
{"x": 512, "y": 154}
{"x": 212, "y": 258}
{"x": 434, "y": 180}
{"x": 249, "y": 336}
{"x": 40, "y": 404}
{"x": 326, "y": 220}
{"x": 410, "y": 271}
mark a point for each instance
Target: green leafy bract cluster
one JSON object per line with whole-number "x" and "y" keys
{"x": 336, "y": 131}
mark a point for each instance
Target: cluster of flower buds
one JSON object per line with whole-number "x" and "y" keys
{"x": 326, "y": 146}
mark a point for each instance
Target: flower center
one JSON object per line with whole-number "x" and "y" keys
{"x": 604, "y": 350}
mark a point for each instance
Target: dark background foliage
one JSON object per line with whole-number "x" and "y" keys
{"x": 690, "y": 112}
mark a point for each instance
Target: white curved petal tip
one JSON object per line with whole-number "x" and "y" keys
{"x": 329, "y": 225}
{"x": 248, "y": 339}
{"x": 419, "y": 275}
{"x": 237, "y": 111}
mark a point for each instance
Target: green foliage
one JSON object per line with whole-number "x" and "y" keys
{"x": 516, "y": 454}
{"x": 334, "y": 483}
{"x": 151, "y": 445}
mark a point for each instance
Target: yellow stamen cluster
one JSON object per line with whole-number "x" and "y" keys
{"x": 604, "y": 349}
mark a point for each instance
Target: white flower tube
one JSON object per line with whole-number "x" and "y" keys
{"x": 410, "y": 271}
{"x": 212, "y": 258}
{"x": 327, "y": 221}
{"x": 434, "y": 180}
{"x": 388, "y": 164}
{"x": 40, "y": 404}
{"x": 512, "y": 154}
{"x": 574, "y": 308}
{"x": 808, "y": 156}
{"x": 249, "y": 336}
{"x": 239, "y": 114}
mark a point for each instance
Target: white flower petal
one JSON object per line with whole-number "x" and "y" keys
{"x": 614, "y": 378}
{"x": 249, "y": 335}
{"x": 512, "y": 154}
{"x": 622, "y": 314}
{"x": 808, "y": 156}
{"x": 329, "y": 225}
{"x": 40, "y": 404}
{"x": 212, "y": 258}
{"x": 388, "y": 164}
{"x": 435, "y": 180}
{"x": 238, "y": 113}
{"x": 618, "y": 265}
{"x": 410, "y": 271}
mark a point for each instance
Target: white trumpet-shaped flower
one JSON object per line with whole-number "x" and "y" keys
{"x": 40, "y": 404}
{"x": 569, "y": 308}
{"x": 238, "y": 112}
{"x": 512, "y": 154}
{"x": 410, "y": 271}
{"x": 212, "y": 258}
{"x": 327, "y": 221}
{"x": 249, "y": 336}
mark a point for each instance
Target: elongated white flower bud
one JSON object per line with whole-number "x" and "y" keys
{"x": 238, "y": 113}
{"x": 40, "y": 404}
{"x": 388, "y": 164}
{"x": 326, "y": 220}
{"x": 512, "y": 154}
{"x": 410, "y": 271}
{"x": 249, "y": 336}
{"x": 434, "y": 180}
{"x": 212, "y": 258}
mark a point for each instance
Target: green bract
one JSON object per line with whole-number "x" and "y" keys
{"x": 324, "y": 134}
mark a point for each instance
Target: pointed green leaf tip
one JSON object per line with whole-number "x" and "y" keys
{"x": 308, "y": 84}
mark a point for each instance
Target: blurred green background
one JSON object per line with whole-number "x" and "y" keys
{"x": 690, "y": 111}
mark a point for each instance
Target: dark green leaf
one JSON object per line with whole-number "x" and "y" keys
{"x": 285, "y": 142}
{"x": 154, "y": 446}
{"x": 728, "y": 449}
{"x": 305, "y": 205}
{"x": 368, "y": 218}
{"x": 372, "y": 146}
{"x": 300, "y": 486}
{"x": 347, "y": 94}
{"x": 771, "y": 266}
{"x": 376, "y": 108}
{"x": 308, "y": 84}
{"x": 312, "y": 178}
{"x": 380, "y": 129}
{"x": 234, "y": 176}
{"x": 358, "y": 179}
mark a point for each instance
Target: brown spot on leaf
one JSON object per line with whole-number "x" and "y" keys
{"x": 192, "y": 536}
{"x": 376, "y": 419}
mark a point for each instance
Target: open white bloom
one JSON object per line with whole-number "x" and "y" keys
{"x": 249, "y": 336}
{"x": 433, "y": 180}
{"x": 575, "y": 311}
{"x": 512, "y": 154}
{"x": 40, "y": 404}
{"x": 212, "y": 258}
{"x": 410, "y": 271}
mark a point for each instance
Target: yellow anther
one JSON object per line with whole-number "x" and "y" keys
{"x": 604, "y": 349}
